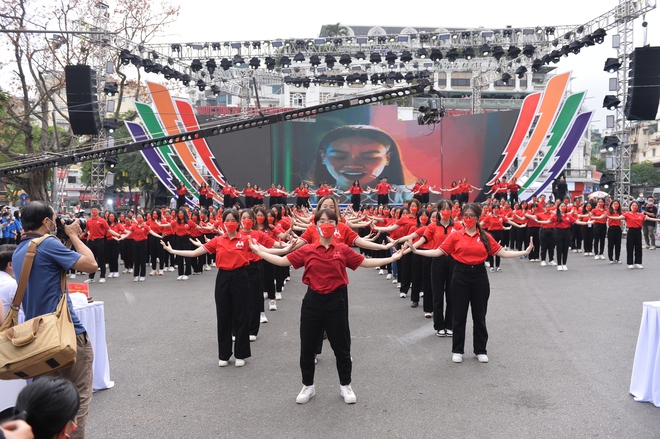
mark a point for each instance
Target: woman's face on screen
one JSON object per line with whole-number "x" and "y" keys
{"x": 355, "y": 158}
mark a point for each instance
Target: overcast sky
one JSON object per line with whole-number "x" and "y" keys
{"x": 207, "y": 21}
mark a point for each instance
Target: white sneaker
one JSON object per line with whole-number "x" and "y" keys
{"x": 72, "y": 276}
{"x": 638, "y": 266}
{"x": 492, "y": 269}
{"x": 89, "y": 281}
{"x": 483, "y": 358}
{"x": 560, "y": 268}
{"x": 457, "y": 358}
{"x": 278, "y": 296}
{"x": 381, "y": 272}
{"x": 223, "y": 363}
{"x": 543, "y": 264}
{"x": 170, "y": 269}
{"x": 239, "y": 362}
{"x": 263, "y": 318}
{"x": 102, "y": 280}
{"x": 185, "y": 277}
{"x": 611, "y": 262}
{"x": 403, "y": 295}
{"x": 389, "y": 276}
{"x": 179, "y": 278}
{"x": 394, "y": 280}
{"x": 552, "y": 263}
{"x": 347, "y": 394}
{"x": 253, "y": 338}
{"x": 272, "y": 306}
{"x": 565, "y": 268}
{"x": 305, "y": 394}
{"x": 153, "y": 272}
{"x": 136, "y": 279}
{"x": 631, "y": 266}
{"x": 487, "y": 264}
{"x": 125, "y": 270}
{"x": 498, "y": 269}
{"x": 141, "y": 279}
{"x": 130, "y": 270}
{"x": 421, "y": 294}
{"x": 160, "y": 272}
{"x": 398, "y": 284}
{"x": 287, "y": 279}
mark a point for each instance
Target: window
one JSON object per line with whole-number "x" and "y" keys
{"x": 653, "y": 152}
{"x": 324, "y": 98}
{"x": 297, "y": 99}
{"x": 71, "y": 179}
{"x": 459, "y": 82}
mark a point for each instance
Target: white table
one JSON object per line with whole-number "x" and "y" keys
{"x": 9, "y": 390}
{"x": 645, "y": 382}
{"x": 92, "y": 317}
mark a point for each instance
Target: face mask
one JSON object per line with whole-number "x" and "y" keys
{"x": 194, "y": 218}
{"x": 424, "y": 219}
{"x": 634, "y": 208}
{"x": 271, "y": 220}
{"x": 326, "y": 230}
{"x": 95, "y": 214}
{"x": 140, "y": 220}
{"x": 469, "y": 222}
{"x": 601, "y": 204}
{"x": 260, "y": 219}
{"x": 386, "y": 212}
{"x": 181, "y": 216}
{"x": 414, "y": 209}
{"x": 496, "y": 211}
{"x": 615, "y": 206}
{"x": 112, "y": 219}
{"x": 247, "y": 223}
{"x": 231, "y": 227}
{"x": 562, "y": 209}
{"x": 445, "y": 214}
{"x": 397, "y": 215}
{"x": 54, "y": 231}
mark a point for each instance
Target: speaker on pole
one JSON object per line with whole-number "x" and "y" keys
{"x": 644, "y": 84}
{"x": 82, "y": 100}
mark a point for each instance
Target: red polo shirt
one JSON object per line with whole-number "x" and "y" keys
{"x": 383, "y": 188}
{"x": 325, "y": 268}
{"x": 140, "y": 233}
{"x": 566, "y": 221}
{"x": 96, "y": 228}
{"x": 117, "y": 228}
{"x": 182, "y": 229}
{"x": 343, "y": 233}
{"x": 356, "y": 190}
{"x": 468, "y": 249}
{"x": 599, "y": 212}
{"x": 230, "y": 254}
{"x": 262, "y": 239}
{"x": 436, "y": 233}
{"x": 494, "y": 223}
{"x": 545, "y": 216}
{"x": 634, "y": 220}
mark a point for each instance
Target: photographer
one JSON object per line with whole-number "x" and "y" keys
{"x": 43, "y": 290}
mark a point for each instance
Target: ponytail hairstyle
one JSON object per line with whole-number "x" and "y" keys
{"x": 476, "y": 209}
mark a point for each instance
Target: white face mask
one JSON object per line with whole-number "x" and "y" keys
{"x": 54, "y": 231}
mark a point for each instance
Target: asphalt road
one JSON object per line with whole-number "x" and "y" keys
{"x": 561, "y": 350}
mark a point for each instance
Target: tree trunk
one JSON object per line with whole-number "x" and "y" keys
{"x": 36, "y": 184}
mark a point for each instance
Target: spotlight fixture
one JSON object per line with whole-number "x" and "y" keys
{"x": 110, "y": 125}
{"x": 337, "y": 41}
{"x": 546, "y": 59}
{"x": 256, "y": 44}
{"x": 215, "y": 90}
{"x": 215, "y": 46}
{"x": 196, "y": 65}
{"x": 125, "y": 57}
{"x": 528, "y": 51}
{"x": 520, "y": 72}
{"x": 452, "y": 54}
{"x": 555, "y": 56}
{"x": 330, "y": 61}
{"x": 536, "y": 65}
{"x": 201, "y": 85}
{"x": 176, "y": 48}
{"x": 315, "y": 60}
{"x": 157, "y": 68}
{"x": 485, "y": 50}
{"x": 610, "y": 143}
{"x": 185, "y": 79}
{"x": 611, "y": 102}
{"x": 360, "y": 56}
{"x": 390, "y": 57}
{"x": 549, "y": 30}
{"x": 580, "y": 29}
{"x": 285, "y": 61}
{"x": 154, "y": 54}
{"x": 409, "y": 77}
{"x": 345, "y": 60}
{"x": 599, "y": 36}
{"x": 167, "y": 71}
{"x": 406, "y": 56}
{"x": 514, "y": 52}
{"x": 612, "y": 65}
{"x": 270, "y": 63}
{"x": 422, "y": 53}
{"x": 538, "y": 31}
{"x": 564, "y": 51}
{"x": 225, "y": 64}
{"x": 238, "y": 60}
{"x": 468, "y": 53}
{"x": 211, "y": 66}
{"x": 382, "y": 40}
{"x": 112, "y": 160}
{"x": 374, "y": 58}
{"x": 498, "y": 52}
{"x": 254, "y": 63}
{"x": 110, "y": 88}
{"x": 299, "y": 58}
{"x": 575, "y": 47}
{"x": 505, "y": 79}
{"x": 587, "y": 41}
{"x": 431, "y": 113}
{"x": 507, "y": 33}
{"x": 436, "y": 55}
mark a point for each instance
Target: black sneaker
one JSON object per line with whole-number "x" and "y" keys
{"x": 414, "y": 305}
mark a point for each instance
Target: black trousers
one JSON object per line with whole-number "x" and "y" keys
{"x": 168, "y": 257}
{"x": 547, "y": 238}
{"x": 442, "y": 269}
{"x": 470, "y": 289}
{"x": 112, "y": 254}
{"x": 576, "y": 236}
{"x": 183, "y": 243}
{"x": 269, "y": 279}
{"x": 255, "y": 296}
{"x": 600, "y": 230}
{"x": 614, "y": 243}
{"x": 156, "y": 252}
{"x": 356, "y": 199}
{"x": 126, "y": 249}
{"x": 202, "y": 201}
{"x": 97, "y": 246}
{"x": 522, "y": 238}
{"x": 231, "y": 308}
{"x": 634, "y": 246}
{"x": 514, "y": 199}
{"x": 140, "y": 249}
{"x": 327, "y": 312}
{"x": 534, "y": 233}
{"x": 497, "y": 235}
{"x": 421, "y": 281}
{"x": 404, "y": 272}
{"x": 180, "y": 201}
{"x": 588, "y": 238}
{"x": 383, "y": 199}
{"x": 562, "y": 241}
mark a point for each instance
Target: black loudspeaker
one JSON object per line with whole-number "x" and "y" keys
{"x": 644, "y": 84}
{"x": 162, "y": 195}
{"x": 82, "y": 101}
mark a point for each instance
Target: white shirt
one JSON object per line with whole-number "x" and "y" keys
{"x": 7, "y": 292}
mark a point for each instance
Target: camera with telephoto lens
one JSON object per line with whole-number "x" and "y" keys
{"x": 65, "y": 221}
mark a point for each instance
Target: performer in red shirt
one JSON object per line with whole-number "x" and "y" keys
{"x": 249, "y": 195}
{"x": 181, "y": 193}
{"x": 513, "y": 188}
{"x": 470, "y": 287}
{"x": 96, "y": 229}
{"x": 562, "y": 221}
{"x": 383, "y": 189}
{"x": 203, "y": 195}
{"x": 112, "y": 246}
{"x": 325, "y": 306}
{"x": 599, "y": 215}
{"x": 634, "y": 221}
{"x": 356, "y": 191}
{"x": 139, "y": 231}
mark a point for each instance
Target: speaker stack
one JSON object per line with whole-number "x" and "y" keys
{"x": 82, "y": 100}
{"x": 644, "y": 84}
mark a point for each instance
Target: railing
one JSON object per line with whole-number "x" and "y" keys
{"x": 488, "y": 104}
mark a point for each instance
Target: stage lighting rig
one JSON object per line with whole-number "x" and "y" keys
{"x": 431, "y": 113}
{"x": 611, "y": 102}
{"x": 612, "y": 65}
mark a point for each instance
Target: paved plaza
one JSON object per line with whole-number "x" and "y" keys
{"x": 561, "y": 351}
